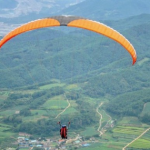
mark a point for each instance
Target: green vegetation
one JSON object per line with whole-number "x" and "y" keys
{"x": 89, "y": 131}
{"x": 105, "y": 146}
{"x": 39, "y": 109}
{"x": 128, "y": 130}
{"x": 55, "y": 103}
{"x": 5, "y": 132}
{"x": 49, "y": 67}
{"x": 141, "y": 143}
{"x": 134, "y": 121}
{"x": 146, "y": 108}
{"x": 49, "y": 86}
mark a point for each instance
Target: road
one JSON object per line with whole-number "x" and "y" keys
{"x": 64, "y": 109}
{"x": 72, "y": 140}
{"x": 136, "y": 139}
{"x": 100, "y": 121}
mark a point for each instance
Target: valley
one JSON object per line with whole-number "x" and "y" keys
{"x": 112, "y": 133}
{"x": 62, "y": 74}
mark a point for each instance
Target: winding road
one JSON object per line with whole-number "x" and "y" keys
{"x": 100, "y": 121}
{"x": 64, "y": 109}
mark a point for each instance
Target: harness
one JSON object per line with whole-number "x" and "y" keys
{"x": 63, "y": 132}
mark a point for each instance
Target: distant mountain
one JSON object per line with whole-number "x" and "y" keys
{"x": 95, "y": 9}
{"x": 15, "y": 12}
{"x": 108, "y": 9}
{"x": 16, "y": 8}
{"x": 123, "y": 24}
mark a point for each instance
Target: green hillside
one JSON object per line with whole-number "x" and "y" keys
{"x": 41, "y": 70}
{"x": 45, "y": 54}
{"x": 42, "y": 60}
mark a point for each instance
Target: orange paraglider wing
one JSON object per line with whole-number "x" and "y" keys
{"x": 73, "y": 21}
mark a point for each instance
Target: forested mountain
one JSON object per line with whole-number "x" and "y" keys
{"x": 76, "y": 53}
{"x": 43, "y": 68}
{"x": 81, "y": 56}
{"x": 108, "y": 9}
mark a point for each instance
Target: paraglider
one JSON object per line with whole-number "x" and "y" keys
{"x": 73, "y": 21}
{"x": 63, "y": 130}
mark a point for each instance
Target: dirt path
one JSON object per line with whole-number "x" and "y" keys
{"x": 145, "y": 105}
{"x": 136, "y": 138}
{"x": 64, "y": 109}
{"x": 100, "y": 121}
{"x": 72, "y": 140}
{"x": 109, "y": 117}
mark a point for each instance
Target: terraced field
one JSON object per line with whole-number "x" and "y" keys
{"x": 128, "y": 130}
{"x": 5, "y": 132}
{"x": 143, "y": 142}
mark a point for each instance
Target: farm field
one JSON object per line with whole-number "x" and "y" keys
{"x": 11, "y": 111}
{"x": 89, "y": 132}
{"x": 72, "y": 87}
{"x": 134, "y": 121}
{"x": 57, "y": 102}
{"x": 140, "y": 144}
{"x": 49, "y": 86}
{"x": 5, "y": 133}
{"x": 128, "y": 130}
{"x": 103, "y": 146}
{"x": 116, "y": 137}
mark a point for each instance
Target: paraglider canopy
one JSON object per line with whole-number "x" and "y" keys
{"x": 74, "y": 21}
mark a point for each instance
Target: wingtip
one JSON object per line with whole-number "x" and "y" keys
{"x": 134, "y": 61}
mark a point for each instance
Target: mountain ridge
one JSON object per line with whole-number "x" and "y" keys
{"x": 106, "y": 10}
